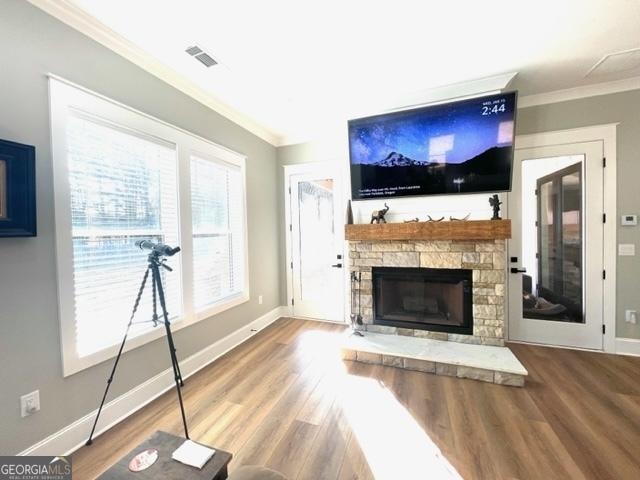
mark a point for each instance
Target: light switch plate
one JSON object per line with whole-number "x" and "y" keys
{"x": 631, "y": 316}
{"x": 628, "y": 220}
{"x": 626, "y": 249}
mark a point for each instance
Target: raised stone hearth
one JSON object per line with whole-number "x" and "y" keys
{"x": 478, "y": 362}
{"x": 486, "y": 259}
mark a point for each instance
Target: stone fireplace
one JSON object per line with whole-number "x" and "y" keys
{"x": 421, "y": 308}
{"x": 427, "y": 281}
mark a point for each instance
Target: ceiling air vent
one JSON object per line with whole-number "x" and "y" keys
{"x": 202, "y": 56}
{"x": 193, "y": 50}
{"x": 616, "y": 62}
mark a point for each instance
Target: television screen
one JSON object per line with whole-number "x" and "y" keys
{"x": 458, "y": 147}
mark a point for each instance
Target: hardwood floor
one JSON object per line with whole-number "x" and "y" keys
{"x": 284, "y": 399}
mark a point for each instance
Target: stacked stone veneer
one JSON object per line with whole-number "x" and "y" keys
{"x": 486, "y": 258}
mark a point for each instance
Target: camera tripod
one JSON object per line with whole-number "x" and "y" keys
{"x": 155, "y": 263}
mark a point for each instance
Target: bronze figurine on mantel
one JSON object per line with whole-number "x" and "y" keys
{"x": 466, "y": 217}
{"x": 434, "y": 219}
{"x": 377, "y": 216}
{"x": 495, "y": 203}
{"x": 413, "y": 220}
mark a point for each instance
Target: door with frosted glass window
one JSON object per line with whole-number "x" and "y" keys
{"x": 556, "y": 251}
{"x": 316, "y": 244}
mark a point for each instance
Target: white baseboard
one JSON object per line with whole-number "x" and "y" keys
{"x": 628, "y": 346}
{"x": 74, "y": 436}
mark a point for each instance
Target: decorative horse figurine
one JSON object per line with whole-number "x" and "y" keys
{"x": 377, "y": 216}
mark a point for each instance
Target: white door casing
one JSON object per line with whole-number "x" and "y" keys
{"x": 594, "y": 144}
{"x": 553, "y": 332}
{"x": 316, "y": 262}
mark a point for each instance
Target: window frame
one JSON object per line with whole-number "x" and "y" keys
{"x": 65, "y": 97}
{"x": 234, "y": 299}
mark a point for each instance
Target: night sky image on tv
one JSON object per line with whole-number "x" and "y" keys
{"x": 460, "y": 147}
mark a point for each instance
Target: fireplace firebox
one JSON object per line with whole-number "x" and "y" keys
{"x": 435, "y": 299}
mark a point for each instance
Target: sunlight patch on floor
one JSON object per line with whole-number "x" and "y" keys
{"x": 393, "y": 443}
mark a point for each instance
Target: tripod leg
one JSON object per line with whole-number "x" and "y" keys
{"x": 115, "y": 363}
{"x": 175, "y": 364}
{"x": 172, "y": 350}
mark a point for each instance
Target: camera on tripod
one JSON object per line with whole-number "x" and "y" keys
{"x": 157, "y": 248}
{"x": 156, "y": 260}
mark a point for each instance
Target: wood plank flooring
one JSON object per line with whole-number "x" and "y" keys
{"x": 284, "y": 399}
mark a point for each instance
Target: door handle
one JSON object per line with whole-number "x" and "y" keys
{"x": 337, "y": 265}
{"x": 518, "y": 270}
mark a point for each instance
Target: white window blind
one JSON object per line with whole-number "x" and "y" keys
{"x": 217, "y": 209}
{"x": 123, "y": 188}
{"x": 121, "y": 176}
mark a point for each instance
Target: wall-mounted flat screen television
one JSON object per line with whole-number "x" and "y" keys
{"x": 459, "y": 147}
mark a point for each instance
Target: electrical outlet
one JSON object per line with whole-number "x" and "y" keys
{"x": 259, "y": 299}
{"x": 631, "y": 316}
{"x": 30, "y": 403}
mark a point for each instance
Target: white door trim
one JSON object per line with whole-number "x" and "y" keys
{"x": 607, "y": 134}
{"x": 298, "y": 169}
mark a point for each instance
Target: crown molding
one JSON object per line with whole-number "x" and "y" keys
{"x": 575, "y": 93}
{"x": 81, "y": 21}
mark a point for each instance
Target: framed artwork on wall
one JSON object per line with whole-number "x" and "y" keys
{"x": 17, "y": 189}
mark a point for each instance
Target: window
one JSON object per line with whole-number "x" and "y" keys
{"x": 218, "y": 241}
{"x": 121, "y": 176}
{"x": 123, "y": 188}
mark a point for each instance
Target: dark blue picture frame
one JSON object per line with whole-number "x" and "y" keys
{"x": 18, "y": 190}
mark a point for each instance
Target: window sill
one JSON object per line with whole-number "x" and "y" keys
{"x": 73, "y": 364}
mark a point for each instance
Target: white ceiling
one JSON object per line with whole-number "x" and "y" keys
{"x": 294, "y": 66}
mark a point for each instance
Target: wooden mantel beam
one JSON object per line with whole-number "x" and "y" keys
{"x": 445, "y": 230}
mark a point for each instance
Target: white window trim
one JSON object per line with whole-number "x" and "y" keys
{"x": 64, "y": 95}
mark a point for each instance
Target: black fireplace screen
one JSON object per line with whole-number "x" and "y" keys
{"x": 435, "y": 299}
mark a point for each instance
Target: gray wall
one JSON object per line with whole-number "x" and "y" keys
{"x": 31, "y": 45}
{"x": 620, "y": 107}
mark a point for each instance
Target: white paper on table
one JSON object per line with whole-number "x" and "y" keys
{"x": 193, "y": 454}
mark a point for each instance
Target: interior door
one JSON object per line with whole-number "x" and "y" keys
{"x": 316, "y": 243}
{"x": 556, "y": 251}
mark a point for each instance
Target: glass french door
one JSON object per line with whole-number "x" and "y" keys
{"x": 316, "y": 244}
{"x": 556, "y": 251}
